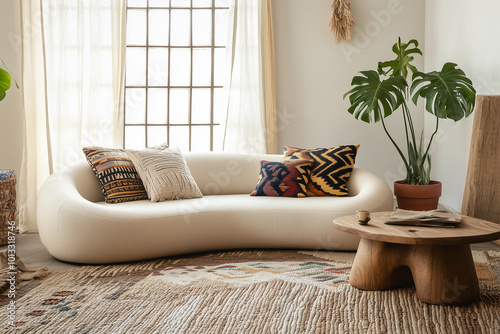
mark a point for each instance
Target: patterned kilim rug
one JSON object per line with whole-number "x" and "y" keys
{"x": 244, "y": 292}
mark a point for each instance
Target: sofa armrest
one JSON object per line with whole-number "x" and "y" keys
{"x": 372, "y": 192}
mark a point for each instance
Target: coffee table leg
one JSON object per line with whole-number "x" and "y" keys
{"x": 380, "y": 266}
{"x": 444, "y": 274}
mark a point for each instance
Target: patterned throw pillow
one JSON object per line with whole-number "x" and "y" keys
{"x": 288, "y": 178}
{"x": 165, "y": 174}
{"x": 116, "y": 173}
{"x": 331, "y": 170}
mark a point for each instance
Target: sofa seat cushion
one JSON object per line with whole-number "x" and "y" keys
{"x": 287, "y": 207}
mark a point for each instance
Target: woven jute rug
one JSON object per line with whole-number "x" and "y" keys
{"x": 244, "y": 292}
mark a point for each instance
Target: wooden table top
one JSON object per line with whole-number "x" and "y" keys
{"x": 469, "y": 230}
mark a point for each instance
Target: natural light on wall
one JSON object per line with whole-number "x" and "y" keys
{"x": 175, "y": 72}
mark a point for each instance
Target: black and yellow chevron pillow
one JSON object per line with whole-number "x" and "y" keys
{"x": 331, "y": 170}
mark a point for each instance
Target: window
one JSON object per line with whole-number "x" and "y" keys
{"x": 176, "y": 60}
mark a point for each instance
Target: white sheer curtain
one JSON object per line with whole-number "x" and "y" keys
{"x": 73, "y": 69}
{"x": 251, "y": 112}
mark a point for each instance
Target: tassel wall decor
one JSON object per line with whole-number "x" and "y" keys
{"x": 341, "y": 20}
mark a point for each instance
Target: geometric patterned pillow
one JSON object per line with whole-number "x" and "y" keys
{"x": 116, "y": 173}
{"x": 331, "y": 170}
{"x": 288, "y": 178}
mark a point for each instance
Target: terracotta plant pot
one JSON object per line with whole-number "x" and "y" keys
{"x": 417, "y": 197}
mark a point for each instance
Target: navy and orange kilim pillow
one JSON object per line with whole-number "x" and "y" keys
{"x": 331, "y": 171}
{"x": 288, "y": 178}
{"x": 116, "y": 173}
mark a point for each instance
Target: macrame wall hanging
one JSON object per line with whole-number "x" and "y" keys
{"x": 341, "y": 20}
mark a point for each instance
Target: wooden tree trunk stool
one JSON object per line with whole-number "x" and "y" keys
{"x": 481, "y": 194}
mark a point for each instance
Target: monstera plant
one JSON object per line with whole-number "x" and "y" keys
{"x": 5, "y": 80}
{"x": 377, "y": 94}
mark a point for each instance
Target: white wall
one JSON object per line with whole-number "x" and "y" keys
{"x": 11, "y": 119}
{"x": 467, "y": 35}
{"x": 313, "y": 73}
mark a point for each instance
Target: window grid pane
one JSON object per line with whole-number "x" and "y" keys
{"x": 170, "y": 79}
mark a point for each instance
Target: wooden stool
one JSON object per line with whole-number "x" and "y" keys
{"x": 481, "y": 195}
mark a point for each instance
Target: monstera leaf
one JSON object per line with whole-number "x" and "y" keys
{"x": 402, "y": 63}
{"x": 372, "y": 97}
{"x": 4, "y": 83}
{"x": 448, "y": 94}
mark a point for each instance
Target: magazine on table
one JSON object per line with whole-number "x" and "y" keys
{"x": 433, "y": 218}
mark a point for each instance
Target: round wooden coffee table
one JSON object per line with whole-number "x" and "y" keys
{"x": 438, "y": 260}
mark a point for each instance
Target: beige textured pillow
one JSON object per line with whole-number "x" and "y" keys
{"x": 165, "y": 174}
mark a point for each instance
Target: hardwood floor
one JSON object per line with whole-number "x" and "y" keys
{"x": 32, "y": 252}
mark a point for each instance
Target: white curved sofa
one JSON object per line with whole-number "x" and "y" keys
{"x": 76, "y": 225}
